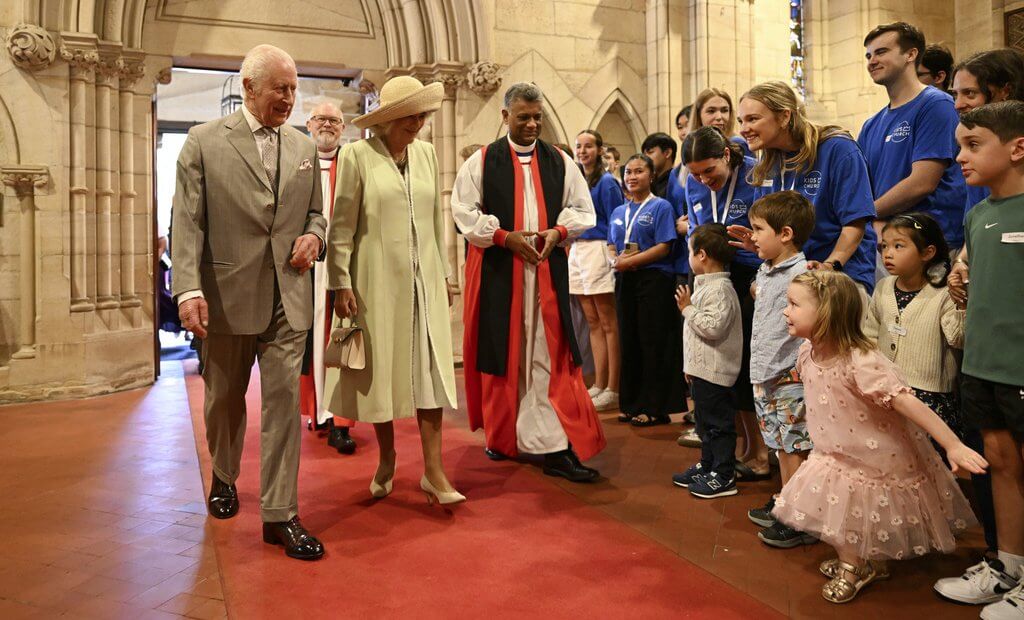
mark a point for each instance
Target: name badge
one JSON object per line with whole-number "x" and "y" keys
{"x": 1014, "y": 237}
{"x": 897, "y": 330}
{"x": 697, "y": 207}
{"x": 631, "y": 248}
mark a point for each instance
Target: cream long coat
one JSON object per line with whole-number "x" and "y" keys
{"x": 370, "y": 249}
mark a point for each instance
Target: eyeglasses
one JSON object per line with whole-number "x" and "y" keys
{"x": 327, "y": 120}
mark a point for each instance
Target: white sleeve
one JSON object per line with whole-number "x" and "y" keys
{"x": 577, "y": 213}
{"x": 467, "y": 194}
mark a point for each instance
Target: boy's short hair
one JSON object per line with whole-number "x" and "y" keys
{"x": 938, "y": 58}
{"x": 907, "y": 37}
{"x": 661, "y": 140}
{"x": 714, "y": 240}
{"x": 786, "y": 208}
{"x": 1005, "y": 119}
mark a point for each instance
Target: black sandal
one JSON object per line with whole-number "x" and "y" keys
{"x": 649, "y": 420}
{"x": 745, "y": 473}
{"x": 625, "y": 418}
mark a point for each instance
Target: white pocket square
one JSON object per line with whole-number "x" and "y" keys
{"x": 305, "y": 165}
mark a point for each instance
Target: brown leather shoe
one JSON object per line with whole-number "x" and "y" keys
{"x": 297, "y": 542}
{"x": 223, "y": 500}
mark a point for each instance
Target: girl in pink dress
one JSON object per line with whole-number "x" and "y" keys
{"x": 873, "y": 487}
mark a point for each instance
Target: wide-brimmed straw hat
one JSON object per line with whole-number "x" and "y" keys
{"x": 402, "y": 96}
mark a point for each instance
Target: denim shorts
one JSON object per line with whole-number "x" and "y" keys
{"x": 779, "y": 404}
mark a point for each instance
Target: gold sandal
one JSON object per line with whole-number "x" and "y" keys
{"x": 830, "y": 568}
{"x": 842, "y": 590}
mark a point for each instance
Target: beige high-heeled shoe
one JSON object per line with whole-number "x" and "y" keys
{"x": 382, "y": 489}
{"x": 441, "y": 497}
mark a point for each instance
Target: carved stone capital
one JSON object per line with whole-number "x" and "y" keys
{"x": 132, "y": 71}
{"x": 80, "y": 58}
{"x": 31, "y": 48}
{"x": 24, "y": 179}
{"x": 484, "y": 78}
{"x": 452, "y": 81}
{"x": 164, "y": 76}
{"x": 108, "y": 67}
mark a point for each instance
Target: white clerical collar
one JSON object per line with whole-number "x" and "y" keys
{"x": 518, "y": 148}
{"x": 254, "y": 123}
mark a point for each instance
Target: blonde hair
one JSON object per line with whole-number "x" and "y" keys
{"x": 780, "y": 98}
{"x": 702, "y": 99}
{"x": 840, "y": 310}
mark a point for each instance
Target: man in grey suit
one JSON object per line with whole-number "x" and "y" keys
{"x": 248, "y": 225}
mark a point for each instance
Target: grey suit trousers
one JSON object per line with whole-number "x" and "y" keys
{"x": 228, "y": 361}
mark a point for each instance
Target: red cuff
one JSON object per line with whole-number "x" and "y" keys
{"x": 562, "y": 231}
{"x": 499, "y": 237}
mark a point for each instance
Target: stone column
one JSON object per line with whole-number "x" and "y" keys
{"x": 448, "y": 165}
{"x": 108, "y": 263}
{"x": 82, "y": 61}
{"x": 133, "y": 70}
{"x": 25, "y": 180}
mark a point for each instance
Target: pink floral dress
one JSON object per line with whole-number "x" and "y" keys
{"x": 873, "y": 482}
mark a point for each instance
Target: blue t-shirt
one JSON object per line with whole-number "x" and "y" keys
{"x": 676, "y": 194}
{"x": 699, "y": 208}
{"x": 654, "y": 224}
{"x": 743, "y": 144}
{"x": 839, "y": 189}
{"x": 607, "y": 195}
{"x": 922, "y": 128}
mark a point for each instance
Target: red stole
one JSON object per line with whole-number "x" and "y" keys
{"x": 493, "y": 401}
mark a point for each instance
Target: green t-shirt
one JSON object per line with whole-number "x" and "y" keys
{"x": 994, "y": 329}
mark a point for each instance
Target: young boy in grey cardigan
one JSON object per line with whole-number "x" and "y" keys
{"x": 713, "y": 348}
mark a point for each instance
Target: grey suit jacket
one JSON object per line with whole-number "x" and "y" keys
{"x": 230, "y": 239}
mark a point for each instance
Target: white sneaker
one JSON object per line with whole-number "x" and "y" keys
{"x": 606, "y": 401}
{"x": 985, "y": 582}
{"x": 594, "y": 391}
{"x": 1010, "y": 608}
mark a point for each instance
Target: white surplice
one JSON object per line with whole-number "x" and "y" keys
{"x": 538, "y": 429}
{"x": 321, "y": 313}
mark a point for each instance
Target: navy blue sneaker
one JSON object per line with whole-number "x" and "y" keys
{"x": 711, "y": 486}
{"x": 687, "y": 477}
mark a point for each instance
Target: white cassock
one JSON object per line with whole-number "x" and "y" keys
{"x": 538, "y": 429}
{"x": 321, "y": 313}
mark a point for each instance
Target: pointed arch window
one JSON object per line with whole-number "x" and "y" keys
{"x": 796, "y": 46}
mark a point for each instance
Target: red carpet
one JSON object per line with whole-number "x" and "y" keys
{"x": 519, "y": 546}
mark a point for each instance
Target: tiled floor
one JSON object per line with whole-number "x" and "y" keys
{"x": 103, "y": 513}
{"x": 103, "y": 517}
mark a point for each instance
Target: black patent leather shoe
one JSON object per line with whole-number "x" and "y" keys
{"x": 340, "y": 440}
{"x": 223, "y": 500}
{"x": 494, "y": 455}
{"x": 567, "y": 465}
{"x": 297, "y": 542}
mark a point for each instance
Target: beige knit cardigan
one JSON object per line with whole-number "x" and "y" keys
{"x": 922, "y": 343}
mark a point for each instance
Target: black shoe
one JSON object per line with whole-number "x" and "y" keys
{"x": 710, "y": 486}
{"x": 340, "y": 440}
{"x": 223, "y": 500}
{"x": 494, "y": 455}
{"x": 784, "y": 537}
{"x": 687, "y": 478}
{"x": 297, "y": 542}
{"x": 763, "y": 516}
{"x": 567, "y": 465}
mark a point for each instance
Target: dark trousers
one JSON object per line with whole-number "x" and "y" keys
{"x": 650, "y": 342}
{"x": 716, "y": 426}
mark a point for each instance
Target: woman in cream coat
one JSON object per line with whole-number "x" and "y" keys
{"x": 386, "y": 264}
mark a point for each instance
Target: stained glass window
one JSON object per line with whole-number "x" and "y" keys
{"x": 796, "y": 46}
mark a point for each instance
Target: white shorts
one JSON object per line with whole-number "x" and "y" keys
{"x": 589, "y": 271}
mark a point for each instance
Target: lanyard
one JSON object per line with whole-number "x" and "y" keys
{"x": 728, "y": 200}
{"x": 630, "y": 222}
{"x": 782, "y": 177}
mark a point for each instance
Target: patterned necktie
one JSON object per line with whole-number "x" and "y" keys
{"x": 268, "y": 153}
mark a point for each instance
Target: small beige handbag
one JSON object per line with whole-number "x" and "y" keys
{"x": 345, "y": 349}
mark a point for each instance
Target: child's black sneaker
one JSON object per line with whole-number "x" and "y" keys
{"x": 684, "y": 479}
{"x": 784, "y": 537}
{"x": 711, "y": 486}
{"x": 763, "y": 515}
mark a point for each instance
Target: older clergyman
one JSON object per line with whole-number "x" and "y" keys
{"x": 325, "y": 125}
{"x": 247, "y": 228}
